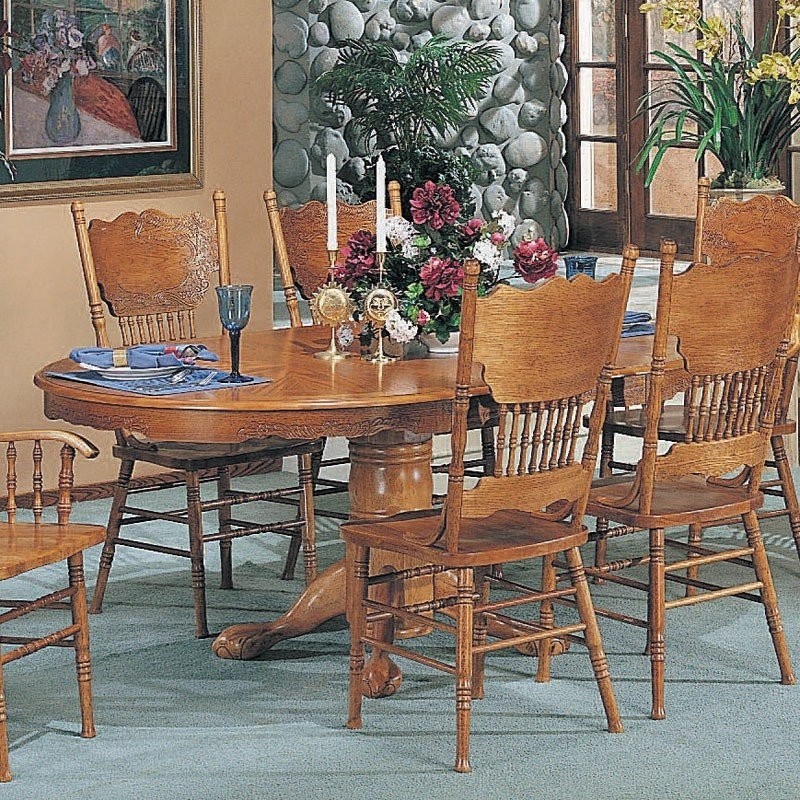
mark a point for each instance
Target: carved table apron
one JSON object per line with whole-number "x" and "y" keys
{"x": 388, "y": 412}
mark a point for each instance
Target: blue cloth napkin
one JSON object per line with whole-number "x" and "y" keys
{"x": 144, "y": 356}
{"x": 636, "y": 317}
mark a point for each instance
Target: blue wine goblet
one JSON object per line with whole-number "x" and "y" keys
{"x": 234, "y": 314}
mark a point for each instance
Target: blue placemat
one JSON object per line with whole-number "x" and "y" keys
{"x": 159, "y": 385}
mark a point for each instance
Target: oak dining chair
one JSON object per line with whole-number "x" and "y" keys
{"x": 530, "y": 507}
{"x": 732, "y": 324}
{"x": 29, "y": 541}
{"x": 150, "y": 271}
{"x": 726, "y": 230}
{"x": 301, "y": 255}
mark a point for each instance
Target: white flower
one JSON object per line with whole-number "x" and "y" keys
{"x": 486, "y": 253}
{"x": 506, "y": 222}
{"x": 399, "y": 329}
{"x": 345, "y": 336}
{"x": 400, "y": 232}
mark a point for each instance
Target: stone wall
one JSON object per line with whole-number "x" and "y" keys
{"x": 515, "y": 138}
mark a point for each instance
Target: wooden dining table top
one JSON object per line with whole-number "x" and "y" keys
{"x": 305, "y": 397}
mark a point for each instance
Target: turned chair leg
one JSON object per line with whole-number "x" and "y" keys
{"x": 594, "y": 642}
{"x": 465, "y": 588}
{"x": 656, "y": 622}
{"x": 787, "y": 488}
{"x": 358, "y": 561}
{"x": 480, "y": 635}
{"x": 83, "y": 663}
{"x": 768, "y": 597}
{"x": 546, "y": 619}
{"x": 692, "y": 573}
{"x": 5, "y": 769}
{"x": 196, "y": 554}
{"x": 305, "y": 468}
{"x": 224, "y": 516}
{"x": 112, "y": 534}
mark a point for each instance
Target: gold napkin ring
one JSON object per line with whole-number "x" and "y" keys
{"x": 119, "y": 356}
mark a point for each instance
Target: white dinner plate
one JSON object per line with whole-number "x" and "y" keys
{"x": 133, "y": 373}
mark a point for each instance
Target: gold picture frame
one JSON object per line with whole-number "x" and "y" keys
{"x": 130, "y": 118}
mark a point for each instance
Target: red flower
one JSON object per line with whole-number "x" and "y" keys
{"x": 359, "y": 259}
{"x": 472, "y": 230}
{"x": 434, "y": 205}
{"x": 535, "y": 259}
{"x": 441, "y": 277}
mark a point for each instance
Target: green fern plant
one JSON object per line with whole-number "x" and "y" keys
{"x": 401, "y": 107}
{"x": 404, "y": 104}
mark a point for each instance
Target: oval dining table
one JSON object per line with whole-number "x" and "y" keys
{"x": 388, "y": 412}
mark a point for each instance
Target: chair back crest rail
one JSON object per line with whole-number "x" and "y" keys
{"x": 150, "y": 270}
{"x": 732, "y": 325}
{"x": 300, "y": 241}
{"x": 522, "y": 349}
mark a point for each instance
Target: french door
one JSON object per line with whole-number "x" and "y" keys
{"x": 609, "y": 56}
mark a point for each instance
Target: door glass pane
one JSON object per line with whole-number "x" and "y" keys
{"x": 596, "y": 40}
{"x": 673, "y": 193}
{"x": 598, "y": 176}
{"x": 657, "y": 38}
{"x": 657, "y": 81}
{"x": 598, "y": 101}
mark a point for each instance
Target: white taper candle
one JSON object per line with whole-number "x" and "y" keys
{"x": 333, "y": 243}
{"x": 380, "y": 198}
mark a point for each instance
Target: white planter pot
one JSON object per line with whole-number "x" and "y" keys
{"x": 437, "y": 348}
{"x": 745, "y": 194}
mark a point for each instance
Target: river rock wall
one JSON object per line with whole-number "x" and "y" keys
{"x": 515, "y": 139}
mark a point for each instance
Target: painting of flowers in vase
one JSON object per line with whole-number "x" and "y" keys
{"x": 88, "y": 78}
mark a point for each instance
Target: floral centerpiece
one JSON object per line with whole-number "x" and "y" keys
{"x": 425, "y": 257}
{"x": 734, "y": 98}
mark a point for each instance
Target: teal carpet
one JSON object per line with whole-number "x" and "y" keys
{"x": 176, "y": 723}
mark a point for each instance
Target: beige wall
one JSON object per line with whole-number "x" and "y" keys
{"x": 43, "y": 310}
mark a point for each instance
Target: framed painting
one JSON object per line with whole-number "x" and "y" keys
{"x": 100, "y": 97}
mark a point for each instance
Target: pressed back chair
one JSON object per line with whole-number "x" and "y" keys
{"x": 726, "y": 230}
{"x": 530, "y": 506}
{"x": 27, "y": 541}
{"x": 150, "y": 271}
{"x": 301, "y": 254}
{"x": 732, "y": 326}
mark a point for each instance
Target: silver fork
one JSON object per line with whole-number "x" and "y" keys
{"x": 207, "y": 379}
{"x": 179, "y": 376}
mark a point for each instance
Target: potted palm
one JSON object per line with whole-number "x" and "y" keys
{"x": 732, "y": 98}
{"x": 400, "y": 107}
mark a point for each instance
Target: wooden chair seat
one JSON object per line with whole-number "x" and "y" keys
{"x": 150, "y": 271}
{"x": 26, "y": 543}
{"x": 24, "y": 547}
{"x": 193, "y": 456}
{"x": 504, "y": 536}
{"x": 687, "y": 501}
{"x": 530, "y": 506}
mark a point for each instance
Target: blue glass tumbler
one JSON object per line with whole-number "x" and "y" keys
{"x": 580, "y": 264}
{"x": 234, "y": 314}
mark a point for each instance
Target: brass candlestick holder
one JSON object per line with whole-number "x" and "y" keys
{"x": 377, "y": 305}
{"x": 332, "y": 305}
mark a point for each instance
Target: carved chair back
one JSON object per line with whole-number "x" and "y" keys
{"x": 300, "y": 242}
{"x": 763, "y": 225}
{"x": 540, "y": 378}
{"x": 732, "y": 322}
{"x": 151, "y": 270}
